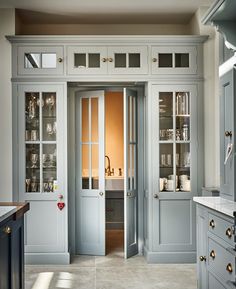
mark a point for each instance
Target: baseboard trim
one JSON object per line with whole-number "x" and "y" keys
{"x": 169, "y": 257}
{"x": 47, "y": 258}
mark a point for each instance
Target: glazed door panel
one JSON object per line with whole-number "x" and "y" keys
{"x": 174, "y": 126}
{"x": 42, "y": 176}
{"x": 130, "y": 173}
{"x": 90, "y": 163}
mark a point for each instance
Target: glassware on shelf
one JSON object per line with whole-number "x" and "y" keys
{"x": 34, "y": 135}
{"x": 185, "y": 132}
{"x": 182, "y": 103}
{"x": 32, "y": 106}
{"x": 27, "y": 185}
{"x": 34, "y": 184}
{"x": 49, "y": 129}
{"x": 34, "y": 160}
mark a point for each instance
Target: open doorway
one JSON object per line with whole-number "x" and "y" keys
{"x": 114, "y": 171}
{"x": 106, "y": 170}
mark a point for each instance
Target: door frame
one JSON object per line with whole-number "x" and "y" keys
{"x": 141, "y": 89}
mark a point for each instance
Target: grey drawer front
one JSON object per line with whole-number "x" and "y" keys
{"x": 214, "y": 283}
{"x": 219, "y": 228}
{"x": 222, "y": 259}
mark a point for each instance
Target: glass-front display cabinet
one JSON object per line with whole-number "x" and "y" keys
{"x": 40, "y": 134}
{"x": 175, "y": 139}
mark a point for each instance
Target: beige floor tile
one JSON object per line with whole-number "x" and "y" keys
{"x": 111, "y": 272}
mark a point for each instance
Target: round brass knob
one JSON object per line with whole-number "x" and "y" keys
{"x": 229, "y": 268}
{"x": 154, "y": 59}
{"x": 101, "y": 194}
{"x": 128, "y": 194}
{"x": 110, "y": 59}
{"x": 7, "y": 230}
{"x": 212, "y": 224}
{"x": 60, "y": 60}
{"x": 228, "y": 232}
{"x": 156, "y": 196}
{"x": 212, "y": 254}
{"x": 104, "y": 59}
{"x": 228, "y": 133}
{"x": 202, "y": 258}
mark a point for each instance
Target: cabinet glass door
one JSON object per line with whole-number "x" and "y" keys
{"x": 169, "y": 60}
{"x": 174, "y": 141}
{"x": 39, "y": 60}
{"x": 40, "y": 142}
{"x": 127, "y": 60}
{"x": 87, "y": 60}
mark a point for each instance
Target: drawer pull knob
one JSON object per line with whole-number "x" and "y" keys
{"x": 212, "y": 224}
{"x": 228, "y": 232}
{"x": 202, "y": 258}
{"x": 104, "y": 59}
{"x": 212, "y": 254}
{"x": 60, "y": 60}
{"x": 229, "y": 268}
{"x": 110, "y": 59}
{"x": 156, "y": 196}
{"x": 7, "y": 230}
{"x": 154, "y": 59}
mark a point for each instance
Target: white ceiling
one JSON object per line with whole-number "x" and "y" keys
{"x": 106, "y": 11}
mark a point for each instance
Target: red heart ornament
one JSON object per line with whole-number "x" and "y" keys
{"x": 61, "y": 205}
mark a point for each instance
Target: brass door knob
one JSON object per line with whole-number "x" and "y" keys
{"x": 60, "y": 60}
{"x": 101, "y": 194}
{"x": 7, "y": 230}
{"x": 212, "y": 224}
{"x": 229, "y": 268}
{"x": 228, "y": 133}
{"x": 154, "y": 59}
{"x": 202, "y": 258}
{"x": 129, "y": 194}
{"x": 156, "y": 196}
{"x": 104, "y": 59}
{"x": 212, "y": 254}
{"x": 228, "y": 232}
{"x": 110, "y": 59}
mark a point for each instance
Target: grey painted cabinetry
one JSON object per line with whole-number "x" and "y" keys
{"x": 227, "y": 135}
{"x": 215, "y": 250}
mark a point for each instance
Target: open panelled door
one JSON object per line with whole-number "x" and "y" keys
{"x": 90, "y": 214}
{"x": 130, "y": 173}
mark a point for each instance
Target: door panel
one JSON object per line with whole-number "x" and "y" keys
{"x": 130, "y": 172}
{"x": 90, "y": 166}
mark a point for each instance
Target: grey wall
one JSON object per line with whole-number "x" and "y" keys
{"x": 7, "y": 27}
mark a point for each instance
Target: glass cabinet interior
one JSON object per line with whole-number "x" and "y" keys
{"x": 40, "y": 142}
{"x": 174, "y": 141}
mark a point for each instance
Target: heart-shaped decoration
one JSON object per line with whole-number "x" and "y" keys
{"x": 61, "y": 205}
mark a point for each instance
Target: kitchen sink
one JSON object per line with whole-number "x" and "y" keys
{"x": 114, "y": 183}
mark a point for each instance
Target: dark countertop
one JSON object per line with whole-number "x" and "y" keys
{"x": 17, "y": 210}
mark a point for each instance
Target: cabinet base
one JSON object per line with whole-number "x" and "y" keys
{"x": 169, "y": 257}
{"x": 47, "y": 258}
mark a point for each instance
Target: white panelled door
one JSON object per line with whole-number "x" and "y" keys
{"x": 90, "y": 186}
{"x": 130, "y": 173}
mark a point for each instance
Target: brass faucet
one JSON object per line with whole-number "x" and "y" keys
{"x": 108, "y": 168}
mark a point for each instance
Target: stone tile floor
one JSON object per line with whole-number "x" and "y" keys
{"x": 111, "y": 272}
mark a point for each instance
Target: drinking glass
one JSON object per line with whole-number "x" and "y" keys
{"x": 34, "y": 160}
{"x": 27, "y": 182}
{"x": 49, "y": 128}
